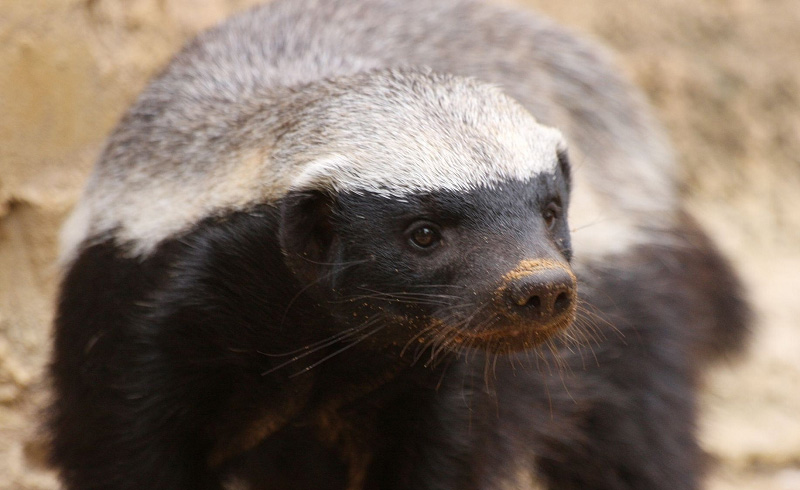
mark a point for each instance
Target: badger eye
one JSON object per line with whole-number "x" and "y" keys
{"x": 551, "y": 214}
{"x": 425, "y": 236}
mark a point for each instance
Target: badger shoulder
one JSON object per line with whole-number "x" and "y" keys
{"x": 201, "y": 139}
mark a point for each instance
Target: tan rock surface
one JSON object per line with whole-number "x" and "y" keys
{"x": 724, "y": 75}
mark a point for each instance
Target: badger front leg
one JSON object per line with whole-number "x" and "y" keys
{"x": 123, "y": 416}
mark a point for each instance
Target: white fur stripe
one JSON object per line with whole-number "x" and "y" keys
{"x": 427, "y": 171}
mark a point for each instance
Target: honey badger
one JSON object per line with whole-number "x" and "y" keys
{"x": 328, "y": 247}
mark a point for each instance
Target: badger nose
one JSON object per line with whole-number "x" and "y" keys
{"x": 545, "y": 296}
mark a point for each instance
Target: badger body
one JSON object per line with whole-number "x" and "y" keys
{"x": 328, "y": 248}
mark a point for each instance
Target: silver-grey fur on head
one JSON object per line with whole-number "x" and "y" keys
{"x": 346, "y": 94}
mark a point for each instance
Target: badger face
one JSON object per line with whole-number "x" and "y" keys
{"x": 488, "y": 268}
{"x": 451, "y": 232}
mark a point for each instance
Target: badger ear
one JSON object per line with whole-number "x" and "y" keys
{"x": 306, "y": 233}
{"x": 564, "y": 164}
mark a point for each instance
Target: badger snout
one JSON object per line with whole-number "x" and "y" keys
{"x": 538, "y": 296}
{"x": 544, "y": 297}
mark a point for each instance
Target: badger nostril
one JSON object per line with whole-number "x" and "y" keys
{"x": 562, "y": 302}
{"x": 532, "y": 302}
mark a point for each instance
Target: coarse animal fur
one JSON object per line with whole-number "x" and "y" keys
{"x": 328, "y": 248}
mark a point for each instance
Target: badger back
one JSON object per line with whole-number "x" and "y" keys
{"x": 309, "y": 94}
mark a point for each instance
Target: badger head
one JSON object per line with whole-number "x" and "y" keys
{"x": 430, "y": 210}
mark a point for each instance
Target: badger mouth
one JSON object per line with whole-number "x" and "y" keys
{"x": 494, "y": 332}
{"x": 513, "y": 336}
{"x": 520, "y": 331}
{"x": 533, "y": 303}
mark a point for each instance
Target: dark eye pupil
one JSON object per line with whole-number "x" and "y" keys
{"x": 549, "y": 218}
{"x": 424, "y": 237}
{"x": 550, "y": 215}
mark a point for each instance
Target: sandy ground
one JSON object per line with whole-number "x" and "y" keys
{"x": 724, "y": 76}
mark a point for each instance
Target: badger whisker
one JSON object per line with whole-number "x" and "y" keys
{"x": 451, "y": 309}
{"x": 414, "y": 294}
{"x": 557, "y": 356}
{"x": 591, "y": 324}
{"x": 444, "y": 340}
{"x": 437, "y": 286}
{"x": 394, "y": 299}
{"x": 416, "y": 337}
{"x": 453, "y": 332}
{"x": 347, "y": 263}
{"x": 308, "y": 286}
{"x": 431, "y": 345}
{"x": 444, "y": 372}
{"x": 407, "y": 297}
{"x": 595, "y": 222}
{"x": 541, "y": 355}
{"x": 318, "y": 344}
{"x": 327, "y": 343}
{"x": 442, "y": 325}
{"x": 339, "y": 351}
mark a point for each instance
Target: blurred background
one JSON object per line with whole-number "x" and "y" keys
{"x": 724, "y": 76}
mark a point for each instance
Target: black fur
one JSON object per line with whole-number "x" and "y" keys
{"x": 192, "y": 367}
